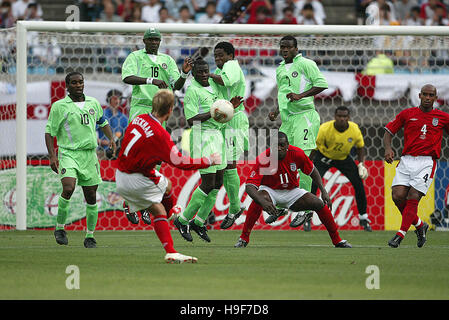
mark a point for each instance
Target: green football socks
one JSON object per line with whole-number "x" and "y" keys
{"x": 231, "y": 182}
{"x": 206, "y": 208}
{"x": 305, "y": 181}
{"x": 63, "y": 210}
{"x": 197, "y": 200}
{"x": 91, "y": 219}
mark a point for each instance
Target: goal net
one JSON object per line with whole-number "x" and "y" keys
{"x": 374, "y": 98}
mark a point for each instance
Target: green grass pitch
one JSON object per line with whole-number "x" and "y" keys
{"x": 288, "y": 265}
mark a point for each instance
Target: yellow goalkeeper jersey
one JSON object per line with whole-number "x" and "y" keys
{"x": 337, "y": 145}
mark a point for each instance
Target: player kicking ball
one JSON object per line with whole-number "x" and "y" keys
{"x": 145, "y": 145}
{"x": 279, "y": 186}
{"x": 423, "y": 132}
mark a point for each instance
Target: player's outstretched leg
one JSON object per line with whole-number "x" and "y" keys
{"x": 311, "y": 202}
{"x": 162, "y": 230}
{"x": 252, "y": 215}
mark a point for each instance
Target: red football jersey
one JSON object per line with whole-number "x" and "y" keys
{"x": 285, "y": 176}
{"x": 146, "y": 143}
{"x": 423, "y": 131}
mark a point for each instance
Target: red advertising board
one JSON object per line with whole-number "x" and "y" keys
{"x": 184, "y": 183}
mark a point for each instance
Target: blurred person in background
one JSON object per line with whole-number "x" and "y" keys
{"x": 211, "y": 15}
{"x": 413, "y": 17}
{"x": 439, "y": 18}
{"x": 428, "y": 9}
{"x": 402, "y": 9}
{"x": 125, "y": 10}
{"x": 288, "y": 16}
{"x": 164, "y": 16}
{"x": 317, "y": 8}
{"x": 308, "y": 16}
{"x": 109, "y": 14}
{"x": 150, "y": 11}
{"x": 262, "y": 16}
{"x": 7, "y": 19}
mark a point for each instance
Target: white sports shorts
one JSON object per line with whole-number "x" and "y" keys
{"x": 284, "y": 198}
{"x": 139, "y": 191}
{"x": 415, "y": 172}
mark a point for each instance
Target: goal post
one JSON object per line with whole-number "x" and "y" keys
{"x": 216, "y": 31}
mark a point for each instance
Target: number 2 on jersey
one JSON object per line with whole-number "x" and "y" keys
{"x": 136, "y": 137}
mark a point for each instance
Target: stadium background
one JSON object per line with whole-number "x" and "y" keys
{"x": 373, "y": 99}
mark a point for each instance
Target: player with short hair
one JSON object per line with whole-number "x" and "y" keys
{"x": 423, "y": 133}
{"x": 205, "y": 137}
{"x": 231, "y": 82}
{"x": 298, "y": 80}
{"x": 148, "y": 70}
{"x": 335, "y": 140}
{"x": 72, "y": 121}
{"x": 146, "y": 144}
{"x": 279, "y": 187}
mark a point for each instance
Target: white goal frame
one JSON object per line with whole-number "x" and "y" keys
{"x": 128, "y": 27}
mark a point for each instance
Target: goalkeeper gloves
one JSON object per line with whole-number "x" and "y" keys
{"x": 363, "y": 172}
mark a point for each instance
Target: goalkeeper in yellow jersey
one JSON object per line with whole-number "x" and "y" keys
{"x": 335, "y": 140}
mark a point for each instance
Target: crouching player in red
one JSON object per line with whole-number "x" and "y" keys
{"x": 146, "y": 144}
{"x": 280, "y": 187}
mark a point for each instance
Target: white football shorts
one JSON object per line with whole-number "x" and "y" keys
{"x": 139, "y": 191}
{"x": 284, "y": 198}
{"x": 415, "y": 172}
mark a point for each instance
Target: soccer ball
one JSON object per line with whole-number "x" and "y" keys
{"x": 225, "y": 109}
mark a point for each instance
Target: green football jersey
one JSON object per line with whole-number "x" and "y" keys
{"x": 234, "y": 82}
{"x": 297, "y": 77}
{"x": 75, "y": 126}
{"x": 139, "y": 63}
{"x": 199, "y": 99}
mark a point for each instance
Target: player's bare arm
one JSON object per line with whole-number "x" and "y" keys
{"x": 389, "y": 152}
{"x": 363, "y": 172}
{"x": 135, "y": 80}
{"x": 217, "y": 79}
{"x": 199, "y": 118}
{"x": 316, "y": 177}
{"x": 311, "y": 92}
{"x": 186, "y": 68}
{"x": 108, "y": 133}
{"x": 361, "y": 154}
{"x": 54, "y": 163}
{"x": 266, "y": 204}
